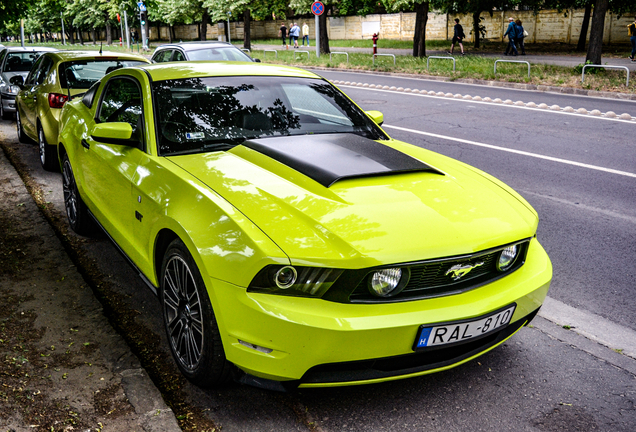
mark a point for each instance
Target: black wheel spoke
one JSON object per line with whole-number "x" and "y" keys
{"x": 182, "y": 312}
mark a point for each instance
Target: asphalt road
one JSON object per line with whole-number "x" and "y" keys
{"x": 545, "y": 378}
{"x": 588, "y": 215}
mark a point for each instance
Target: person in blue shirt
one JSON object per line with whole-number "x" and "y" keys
{"x": 511, "y": 32}
{"x": 520, "y": 36}
{"x": 294, "y": 32}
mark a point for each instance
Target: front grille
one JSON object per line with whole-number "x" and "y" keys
{"x": 430, "y": 278}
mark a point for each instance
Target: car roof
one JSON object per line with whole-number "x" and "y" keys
{"x": 31, "y": 49}
{"x": 198, "y": 69}
{"x": 106, "y": 55}
{"x": 196, "y": 45}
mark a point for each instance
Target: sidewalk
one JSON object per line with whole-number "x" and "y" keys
{"x": 63, "y": 365}
{"x": 557, "y": 60}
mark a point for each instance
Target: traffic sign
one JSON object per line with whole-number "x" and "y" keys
{"x": 142, "y": 6}
{"x": 317, "y": 8}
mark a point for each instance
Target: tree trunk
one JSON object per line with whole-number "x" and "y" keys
{"x": 595, "y": 49}
{"x": 476, "y": 22}
{"x": 586, "y": 23}
{"x": 419, "y": 38}
{"x": 94, "y": 36}
{"x": 324, "y": 37}
{"x": 204, "y": 25}
{"x": 247, "y": 18}
{"x": 170, "y": 33}
{"x": 109, "y": 34}
{"x": 226, "y": 29}
{"x": 71, "y": 35}
{"x": 158, "y": 26}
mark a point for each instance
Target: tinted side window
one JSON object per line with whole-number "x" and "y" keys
{"x": 178, "y": 56}
{"x": 36, "y": 69}
{"x": 90, "y": 95}
{"x": 43, "y": 70}
{"x": 121, "y": 102}
{"x": 163, "y": 56}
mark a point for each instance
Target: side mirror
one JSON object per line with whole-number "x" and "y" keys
{"x": 17, "y": 80}
{"x": 257, "y": 60}
{"x": 113, "y": 133}
{"x": 376, "y": 116}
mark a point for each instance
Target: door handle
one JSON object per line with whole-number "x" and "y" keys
{"x": 85, "y": 144}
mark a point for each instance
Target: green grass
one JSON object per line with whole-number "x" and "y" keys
{"x": 467, "y": 67}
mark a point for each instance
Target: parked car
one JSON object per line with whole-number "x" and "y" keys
{"x": 15, "y": 61}
{"x": 56, "y": 78}
{"x": 288, "y": 235}
{"x": 210, "y": 50}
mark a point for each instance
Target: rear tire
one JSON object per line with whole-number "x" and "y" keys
{"x": 48, "y": 153}
{"x": 193, "y": 334}
{"x": 77, "y": 213}
{"x": 22, "y": 137}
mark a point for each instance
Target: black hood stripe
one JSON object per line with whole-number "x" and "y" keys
{"x": 327, "y": 158}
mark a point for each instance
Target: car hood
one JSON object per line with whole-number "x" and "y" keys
{"x": 438, "y": 207}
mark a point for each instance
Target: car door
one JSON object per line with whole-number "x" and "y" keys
{"x": 108, "y": 168}
{"x": 30, "y": 97}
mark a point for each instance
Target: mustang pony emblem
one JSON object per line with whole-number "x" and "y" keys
{"x": 458, "y": 271}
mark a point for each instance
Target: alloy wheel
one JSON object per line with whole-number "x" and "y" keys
{"x": 70, "y": 193}
{"x": 182, "y": 312}
{"x": 42, "y": 145}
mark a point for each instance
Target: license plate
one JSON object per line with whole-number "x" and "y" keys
{"x": 462, "y": 331}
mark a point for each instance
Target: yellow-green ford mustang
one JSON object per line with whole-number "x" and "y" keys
{"x": 291, "y": 241}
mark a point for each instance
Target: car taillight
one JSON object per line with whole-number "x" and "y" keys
{"x": 57, "y": 100}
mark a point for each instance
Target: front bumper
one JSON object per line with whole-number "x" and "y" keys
{"x": 317, "y": 343}
{"x": 8, "y": 103}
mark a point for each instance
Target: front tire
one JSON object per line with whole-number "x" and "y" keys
{"x": 22, "y": 137}
{"x": 191, "y": 327}
{"x": 77, "y": 213}
{"x": 48, "y": 156}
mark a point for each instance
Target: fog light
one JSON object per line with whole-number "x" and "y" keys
{"x": 285, "y": 277}
{"x": 507, "y": 258}
{"x": 387, "y": 282}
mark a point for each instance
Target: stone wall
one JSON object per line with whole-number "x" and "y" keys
{"x": 545, "y": 26}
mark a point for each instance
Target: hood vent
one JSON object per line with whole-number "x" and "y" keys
{"x": 328, "y": 158}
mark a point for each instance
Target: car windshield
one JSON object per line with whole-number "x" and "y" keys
{"x": 219, "y": 53}
{"x": 211, "y": 114}
{"x": 20, "y": 61}
{"x": 81, "y": 74}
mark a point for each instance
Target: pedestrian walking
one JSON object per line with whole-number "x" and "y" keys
{"x": 294, "y": 32}
{"x": 291, "y": 38}
{"x": 283, "y": 33}
{"x": 631, "y": 31}
{"x": 511, "y": 32}
{"x": 458, "y": 36}
{"x": 521, "y": 35}
{"x": 305, "y": 33}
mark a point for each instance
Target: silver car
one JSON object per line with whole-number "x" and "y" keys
{"x": 200, "y": 50}
{"x": 15, "y": 61}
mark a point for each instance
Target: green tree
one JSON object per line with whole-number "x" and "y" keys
{"x": 421, "y": 17}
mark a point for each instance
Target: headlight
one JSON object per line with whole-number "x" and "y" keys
{"x": 388, "y": 282}
{"x": 11, "y": 89}
{"x": 285, "y": 277}
{"x": 507, "y": 257}
{"x": 294, "y": 281}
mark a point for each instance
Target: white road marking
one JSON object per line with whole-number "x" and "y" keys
{"x": 611, "y": 116}
{"x": 519, "y": 152}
